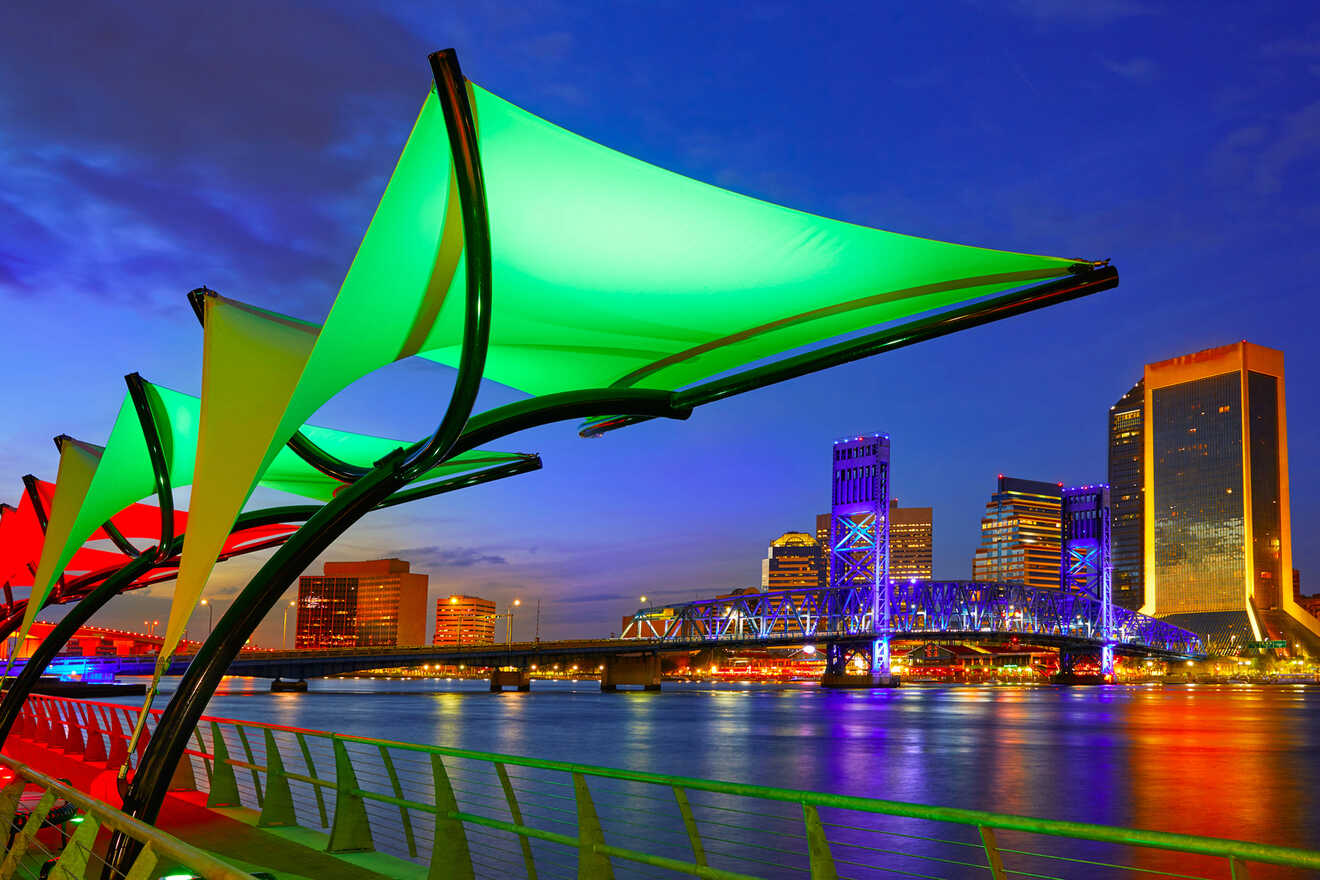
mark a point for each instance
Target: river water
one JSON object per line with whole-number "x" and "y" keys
{"x": 1237, "y": 761}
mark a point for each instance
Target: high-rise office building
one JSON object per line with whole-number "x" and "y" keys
{"x": 362, "y": 604}
{"x": 464, "y": 620}
{"x": 1218, "y": 543}
{"x": 823, "y": 539}
{"x": 1020, "y": 534}
{"x": 795, "y": 560}
{"x": 911, "y": 542}
{"x": 1127, "y": 420}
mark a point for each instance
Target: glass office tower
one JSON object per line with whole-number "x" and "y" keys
{"x": 1021, "y": 534}
{"x": 1218, "y": 548}
{"x": 1127, "y": 419}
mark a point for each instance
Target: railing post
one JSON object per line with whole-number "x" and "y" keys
{"x": 592, "y": 865}
{"x": 690, "y": 823}
{"x": 72, "y": 863}
{"x": 224, "y": 785}
{"x": 144, "y": 866}
{"x": 818, "y": 846}
{"x": 515, "y": 813}
{"x": 1237, "y": 869}
{"x": 995, "y": 860}
{"x": 404, "y": 817}
{"x": 19, "y": 847}
{"x": 450, "y": 855}
{"x": 95, "y": 752}
{"x": 352, "y": 829}
{"x": 311, "y": 771}
{"x": 73, "y": 739}
{"x": 252, "y": 764}
{"x": 278, "y": 807}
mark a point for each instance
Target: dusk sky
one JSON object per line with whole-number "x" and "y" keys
{"x": 150, "y": 148}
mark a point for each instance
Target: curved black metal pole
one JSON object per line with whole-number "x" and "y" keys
{"x": 146, "y": 792}
{"x": 137, "y": 392}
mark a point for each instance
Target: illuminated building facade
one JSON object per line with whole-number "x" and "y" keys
{"x": 378, "y": 602}
{"x": 1127, "y": 420}
{"x": 1020, "y": 534}
{"x": 911, "y": 542}
{"x": 823, "y": 539}
{"x": 464, "y": 620}
{"x": 1218, "y": 546}
{"x": 795, "y": 560}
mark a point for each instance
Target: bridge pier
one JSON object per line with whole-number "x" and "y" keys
{"x": 644, "y": 671}
{"x": 838, "y": 674}
{"x": 280, "y": 686}
{"x": 518, "y": 678}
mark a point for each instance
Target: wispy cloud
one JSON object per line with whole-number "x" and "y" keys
{"x": 1094, "y": 13}
{"x": 1138, "y": 70}
{"x": 434, "y": 557}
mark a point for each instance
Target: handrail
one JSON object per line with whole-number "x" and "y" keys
{"x": 346, "y": 787}
{"x": 163, "y": 844}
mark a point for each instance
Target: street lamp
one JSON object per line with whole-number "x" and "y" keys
{"x": 643, "y": 600}
{"x": 284, "y": 632}
{"x": 508, "y": 619}
{"x": 210, "y": 617}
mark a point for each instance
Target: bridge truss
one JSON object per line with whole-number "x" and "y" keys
{"x": 965, "y": 610}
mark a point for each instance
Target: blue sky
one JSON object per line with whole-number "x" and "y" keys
{"x": 149, "y": 148}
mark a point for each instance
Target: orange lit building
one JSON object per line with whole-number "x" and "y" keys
{"x": 1218, "y": 536}
{"x": 464, "y": 620}
{"x": 795, "y": 560}
{"x": 362, "y": 604}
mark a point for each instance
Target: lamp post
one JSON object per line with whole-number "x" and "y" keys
{"x": 284, "y": 633}
{"x": 508, "y": 619}
{"x": 458, "y": 635}
{"x": 210, "y": 617}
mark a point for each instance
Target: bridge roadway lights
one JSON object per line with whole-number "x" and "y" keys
{"x": 519, "y": 678}
{"x": 644, "y": 671}
{"x": 279, "y": 686}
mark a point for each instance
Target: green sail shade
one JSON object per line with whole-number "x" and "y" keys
{"x": 607, "y": 271}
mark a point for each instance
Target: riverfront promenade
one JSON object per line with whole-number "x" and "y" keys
{"x": 297, "y": 803}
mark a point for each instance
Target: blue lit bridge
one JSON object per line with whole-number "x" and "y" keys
{"x": 835, "y": 620}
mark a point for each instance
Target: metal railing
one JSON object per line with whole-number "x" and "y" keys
{"x": 40, "y": 811}
{"x": 468, "y": 814}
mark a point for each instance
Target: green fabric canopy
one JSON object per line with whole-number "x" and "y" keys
{"x": 607, "y": 271}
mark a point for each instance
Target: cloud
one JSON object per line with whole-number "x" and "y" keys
{"x": 1095, "y": 13}
{"x": 433, "y": 557}
{"x": 1134, "y": 69}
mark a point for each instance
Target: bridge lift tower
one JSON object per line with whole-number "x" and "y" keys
{"x": 859, "y": 539}
{"x": 1087, "y": 563}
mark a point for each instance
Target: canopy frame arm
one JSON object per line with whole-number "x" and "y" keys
{"x": 137, "y": 392}
{"x": 1084, "y": 280}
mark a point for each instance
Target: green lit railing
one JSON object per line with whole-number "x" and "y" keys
{"x": 467, "y": 814}
{"x": 54, "y": 831}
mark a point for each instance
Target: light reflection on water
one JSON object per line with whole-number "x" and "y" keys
{"x": 1226, "y": 761}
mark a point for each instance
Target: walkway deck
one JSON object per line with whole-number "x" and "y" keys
{"x": 228, "y": 832}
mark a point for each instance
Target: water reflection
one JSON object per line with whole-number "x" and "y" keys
{"x": 1228, "y": 761}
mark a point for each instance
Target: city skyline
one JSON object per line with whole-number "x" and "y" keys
{"x": 277, "y": 226}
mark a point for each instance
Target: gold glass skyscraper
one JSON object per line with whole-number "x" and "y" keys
{"x": 1218, "y": 545}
